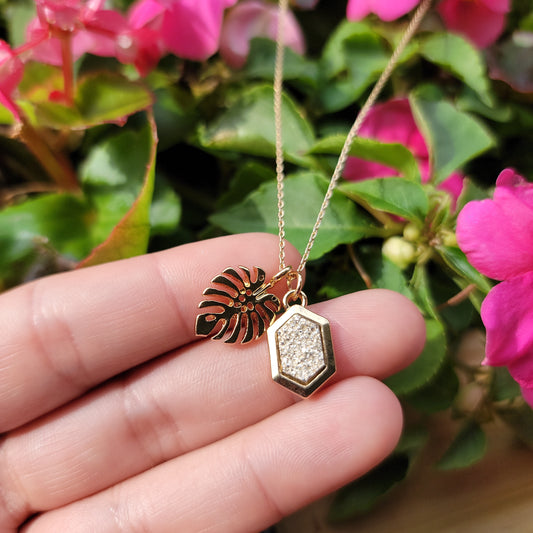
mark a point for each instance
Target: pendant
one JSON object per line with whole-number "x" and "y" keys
{"x": 301, "y": 350}
{"x": 299, "y": 341}
{"x": 241, "y": 310}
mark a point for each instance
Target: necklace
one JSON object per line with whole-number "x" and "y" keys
{"x": 242, "y": 309}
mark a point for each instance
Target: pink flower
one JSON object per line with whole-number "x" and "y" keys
{"x": 496, "y": 236}
{"x": 393, "y": 122}
{"x": 255, "y": 18}
{"x": 480, "y": 21}
{"x": 384, "y": 9}
{"x": 90, "y": 28}
{"x": 11, "y": 70}
{"x": 188, "y": 28}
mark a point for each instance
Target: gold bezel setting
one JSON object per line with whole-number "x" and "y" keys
{"x": 301, "y": 350}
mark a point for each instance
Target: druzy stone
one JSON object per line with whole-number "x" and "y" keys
{"x": 301, "y": 351}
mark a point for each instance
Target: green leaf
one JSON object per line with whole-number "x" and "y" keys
{"x": 454, "y": 137}
{"x": 304, "y": 192}
{"x": 360, "y": 496}
{"x": 248, "y": 178}
{"x": 438, "y": 394}
{"x": 467, "y": 448}
{"x": 248, "y": 127}
{"x": 458, "y": 56}
{"x": 17, "y": 16}
{"x": 60, "y": 220}
{"x": 389, "y": 154}
{"x": 397, "y": 196}
{"x": 175, "y": 115}
{"x": 165, "y": 211}
{"x": 341, "y": 282}
{"x": 471, "y": 192}
{"x": 457, "y": 261}
{"x": 296, "y": 68}
{"x": 352, "y": 60}
{"x": 426, "y": 366}
{"x": 100, "y": 98}
{"x": 386, "y": 275}
{"x": 503, "y": 386}
{"x": 420, "y": 287}
{"x": 130, "y": 235}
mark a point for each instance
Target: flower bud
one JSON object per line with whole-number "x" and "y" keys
{"x": 399, "y": 251}
{"x": 411, "y": 232}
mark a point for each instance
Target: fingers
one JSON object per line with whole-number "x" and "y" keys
{"x": 64, "y": 334}
{"x": 249, "y": 480}
{"x": 186, "y": 400}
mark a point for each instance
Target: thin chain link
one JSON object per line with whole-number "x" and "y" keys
{"x": 354, "y": 130}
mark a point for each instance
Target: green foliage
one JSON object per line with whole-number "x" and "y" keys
{"x": 453, "y": 136}
{"x": 343, "y": 222}
{"x": 467, "y": 448}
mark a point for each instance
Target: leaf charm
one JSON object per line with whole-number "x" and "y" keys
{"x": 243, "y": 310}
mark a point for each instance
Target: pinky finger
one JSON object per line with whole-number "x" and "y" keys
{"x": 253, "y": 478}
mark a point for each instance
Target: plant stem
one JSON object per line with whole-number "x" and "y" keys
{"x": 56, "y": 165}
{"x": 68, "y": 66}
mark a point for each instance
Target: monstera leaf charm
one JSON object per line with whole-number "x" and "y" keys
{"x": 241, "y": 307}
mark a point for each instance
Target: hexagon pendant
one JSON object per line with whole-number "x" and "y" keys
{"x": 301, "y": 351}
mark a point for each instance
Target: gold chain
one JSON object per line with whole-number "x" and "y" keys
{"x": 354, "y": 130}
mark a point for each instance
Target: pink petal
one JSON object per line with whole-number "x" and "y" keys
{"x": 191, "y": 28}
{"x": 454, "y": 186}
{"x": 496, "y": 235}
{"x": 144, "y": 13}
{"x": 474, "y": 19}
{"x": 508, "y": 317}
{"x": 357, "y": 169}
{"x": 358, "y": 9}
{"x": 387, "y": 10}
{"x": 499, "y": 6}
{"x": 11, "y": 69}
{"x": 255, "y": 18}
{"x": 384, "y": 9}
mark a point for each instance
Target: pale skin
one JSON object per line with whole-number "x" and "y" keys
{"x": 116, "y": 418}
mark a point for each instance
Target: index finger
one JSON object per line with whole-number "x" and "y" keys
{"x": 64, "y": 334}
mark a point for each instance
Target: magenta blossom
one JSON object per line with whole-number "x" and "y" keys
{"x": 11, "y": 70}
{"x": 496, "y": 236}
{"x": 188, "y": 28}
{"x": 393, "y": 122}
{"x": 384, "y": 9}
{"x": 87, "y": 27}
{"x": 480, "y": 21}
{"x": 255, "y": 18}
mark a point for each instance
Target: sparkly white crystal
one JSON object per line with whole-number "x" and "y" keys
{"x": 300, "y": 349}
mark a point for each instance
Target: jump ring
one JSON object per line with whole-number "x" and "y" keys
{"x": 293, "y": 296}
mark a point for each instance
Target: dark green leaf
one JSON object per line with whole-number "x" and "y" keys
{"x": 426, "y": 366}
{"x": 389, "y": 154}
{"x": 304, "y": 192}
{"x": 247, "y": 179}
{"x": 352, "y": 59}
{"x": 339, "y": 283}
{"x": 60, "y": 220}
{"x": 503, "y": 386}
{"x": 467, "y": 448}
{"x": 458, "y": 56}
{"x": 420, "y": 287}
{"x": 470, "y": 192}
{"x": 454, "y": 137}
{"x": 397, "y": 196}
{"x": 175, "y": 116}
{"x": 457, "y": 261}
{"x": 297, "y": 68}
{"x": 165, "y": 211}
{"x": 438, "y": 394}
{"x": 360, "y": 496}
{"x": 469, "y": 102}
{"x": 248, "y": 127}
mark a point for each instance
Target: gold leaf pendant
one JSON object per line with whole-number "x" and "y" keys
{"x": 242, "y": 310}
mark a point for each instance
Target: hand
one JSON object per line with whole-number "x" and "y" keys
{"x": 117, "y": 419}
